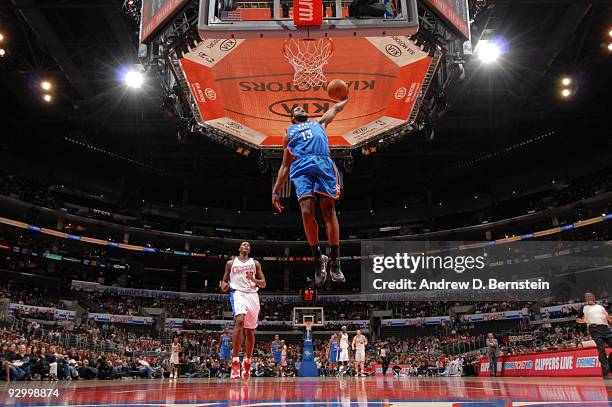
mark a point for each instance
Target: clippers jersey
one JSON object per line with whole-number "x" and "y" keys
{"x": 238, "y": 276}
{"x": 360, "y": 342}
{"x": 344, "y": 341}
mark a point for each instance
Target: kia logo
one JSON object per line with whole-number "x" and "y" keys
{"x": 315, "y": 107}
{"x": 234, "y": 125}
{"x": 393, "y": 50}
{"x": 210, "y": 93}
{"x": 228, "y": 45}
{"x": 400, "y": 93}
{"x": 360, "y": 130}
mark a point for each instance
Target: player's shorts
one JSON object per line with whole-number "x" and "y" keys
{"x": 333, "y": 356}
{"x": 277, "y": 358}
{"x": 225, "y": 354}
{"x": 246, "y": 304}
{"x": 315, "y": 175}
{"x": 360, "y": 355}
{"x": 284, "y": 361}
{"x": 344, "y": 355}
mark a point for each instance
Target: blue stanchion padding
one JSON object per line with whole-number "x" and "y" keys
{"x": 308, "y": 367}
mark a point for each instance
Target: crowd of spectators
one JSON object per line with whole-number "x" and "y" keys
{"x": 33, "y": 191}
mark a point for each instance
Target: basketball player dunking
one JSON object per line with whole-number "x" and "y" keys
{"x": 359, "y": 343}
{"x": 307, "y": 163}
{"x": 243, "y": 278}
{"x": 343, "y": 358}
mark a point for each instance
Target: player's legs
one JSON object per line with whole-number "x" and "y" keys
{"x": 237, "y": 335}
{"x": 311, "y": 228}
{"x": 237, "y": 345}
{"x": 249, "y": 342}
{"x": 327, "y": 188}
{"x": 304, "y": 180}
{"x": 251, "y": 302}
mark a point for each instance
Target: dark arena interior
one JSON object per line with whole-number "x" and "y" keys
{"x": 191, "y": 216}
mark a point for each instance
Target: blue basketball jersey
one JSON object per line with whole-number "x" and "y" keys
{"x": 308, "y": 138}
{"x": 334, "y": 346}
{"x": 276, "y": 347}
{"x": 226, "y": 341}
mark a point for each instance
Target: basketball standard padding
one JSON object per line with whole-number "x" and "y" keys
{"x": 337, "y": 89}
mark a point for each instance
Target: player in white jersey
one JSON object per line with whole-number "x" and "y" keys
{"x": 358, "y": 345}
{"x": 344, "y": 351}
{"x": 243, "y": 278}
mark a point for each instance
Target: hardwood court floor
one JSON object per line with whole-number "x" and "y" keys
{"x": 301, "y": 392}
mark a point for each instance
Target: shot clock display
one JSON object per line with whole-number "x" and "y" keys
{"x": 308, "y": 295}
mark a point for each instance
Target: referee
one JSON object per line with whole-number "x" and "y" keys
{"x": 597, "y": 319}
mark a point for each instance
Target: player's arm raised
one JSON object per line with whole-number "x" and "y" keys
{"x": 330, "y": 115}
{"x": 283, "y": 175}
{"x": 224, "y": 283}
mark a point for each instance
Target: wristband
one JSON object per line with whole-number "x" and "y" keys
{"x": 274, "y": 193}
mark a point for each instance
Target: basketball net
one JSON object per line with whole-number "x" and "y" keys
{"x": 308, "y": 57}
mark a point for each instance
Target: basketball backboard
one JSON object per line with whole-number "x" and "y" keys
{"x": 276, "y": 19}
{"x": 301, "y": 315}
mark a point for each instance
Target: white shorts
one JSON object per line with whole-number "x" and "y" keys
{"x": 360, "y": 355}
{"x": 174, "y": 358}
{"x": 246, "y": 304}
{"x": 344, "y": 356}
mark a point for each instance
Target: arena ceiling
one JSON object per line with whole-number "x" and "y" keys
{"x": 80, "y": 45}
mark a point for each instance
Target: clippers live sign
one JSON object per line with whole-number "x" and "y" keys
{"x": 244, "y": 87}
{"x": 574, "y": 363}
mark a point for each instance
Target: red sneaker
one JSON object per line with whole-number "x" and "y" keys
{"x": 235, "y": 370}
{"x": 246, "y": 370}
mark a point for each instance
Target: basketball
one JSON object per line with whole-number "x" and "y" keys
{"x": 337, "y": 89}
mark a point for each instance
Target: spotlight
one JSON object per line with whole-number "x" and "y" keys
{"x": 2, "y": 52}
{"x": 566, "y": 93}
{"x": 610, "y": 47}
{"x": 47, "y": 98}
{"x": 610, "y": 33}
{"x": 566, "y": 81}
{"x": 489, "y": 52}
{"x": 133, "y": 79}
{"x": 2, "y": 37}
{"x": 45, "y": 85}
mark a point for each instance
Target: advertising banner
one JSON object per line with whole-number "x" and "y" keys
{"x": 569, "y": 363}
{"x": 416, "y": 321}
{"x": 59, "y": 314}
{"x": 120, "y": 319}
{"x": 496, "y": 316}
